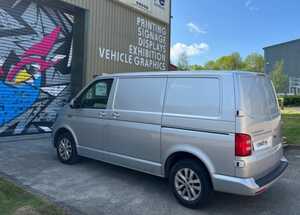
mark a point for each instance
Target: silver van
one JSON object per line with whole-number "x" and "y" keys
{"x": 204, "y": 131}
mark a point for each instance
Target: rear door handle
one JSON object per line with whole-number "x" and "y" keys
{"x": 116, "y": 115}
{"x": 102, "y": 114}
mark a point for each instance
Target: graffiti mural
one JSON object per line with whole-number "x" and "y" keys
{"x": 35, "y": 61}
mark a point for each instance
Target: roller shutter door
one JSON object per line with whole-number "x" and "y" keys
{"x": 35, "y": 61}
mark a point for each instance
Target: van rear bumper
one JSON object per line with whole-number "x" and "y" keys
{"x": 248, "y": 186}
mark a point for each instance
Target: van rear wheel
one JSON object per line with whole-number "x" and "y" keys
{"x": 66, "y": 149}
{"x": 190, "y": 183}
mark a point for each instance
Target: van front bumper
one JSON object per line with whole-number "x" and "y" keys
{"x": 248, "y": 186}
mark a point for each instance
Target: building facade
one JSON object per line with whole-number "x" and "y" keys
{"x": 288, "y": 53}
{"x": 49, "y": 49}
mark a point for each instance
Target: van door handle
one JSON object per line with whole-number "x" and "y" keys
{"x": 102, "y": 114}
{"x": 116, "y": 115}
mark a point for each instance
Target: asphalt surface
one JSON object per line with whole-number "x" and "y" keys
{"x": 92, "y": 187}
{"x": 296, "y": 109}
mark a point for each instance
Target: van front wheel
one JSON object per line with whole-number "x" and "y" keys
{"x": 66, "y": 149}
{"x": 190, "y": 183}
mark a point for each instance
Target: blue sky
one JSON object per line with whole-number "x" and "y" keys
{"x": 208, "y": 29}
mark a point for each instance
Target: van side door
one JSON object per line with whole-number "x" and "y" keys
{"x": 199, "y": 118}
{"x": 88, "y": 119}
{"x": 135, "y": 123}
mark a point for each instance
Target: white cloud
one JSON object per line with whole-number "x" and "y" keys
{"x": 249, "y": 4}
{"x": 193, "y": 28}
{"x": 190, "y": 50}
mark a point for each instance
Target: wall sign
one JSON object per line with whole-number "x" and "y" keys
{"x": 148, "y": 51}
{"x": 160, "y": 3}
{"x": 159, "y": 9}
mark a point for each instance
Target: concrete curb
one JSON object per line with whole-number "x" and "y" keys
{"x": 25, "y": 137}
{"x": 292, "y": 147}
{"x": 67, "y": 209}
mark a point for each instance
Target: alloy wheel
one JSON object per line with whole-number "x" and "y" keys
{"x": 187, "y": 184}
{"x": 65, "y": 148}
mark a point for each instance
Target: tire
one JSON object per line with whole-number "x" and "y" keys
{"x": 66, "y": 149}
{"x": 192, "y": 192}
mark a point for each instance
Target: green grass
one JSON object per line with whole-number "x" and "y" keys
{"x": 13, "y": 198}
{"x": 291, "y": 125}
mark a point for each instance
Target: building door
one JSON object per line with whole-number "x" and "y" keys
{"x": 35, "y": 65}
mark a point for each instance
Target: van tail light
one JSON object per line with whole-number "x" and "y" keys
{"x": 243, "y": 146}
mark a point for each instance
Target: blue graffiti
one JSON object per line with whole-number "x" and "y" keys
{"x": 17, "y": 99}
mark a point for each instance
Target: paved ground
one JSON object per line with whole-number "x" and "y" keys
{"x": 97, "y": 188}
{"x": 296, "y": 109}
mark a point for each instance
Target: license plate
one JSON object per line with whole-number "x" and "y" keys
{"x": 263, "y": 144}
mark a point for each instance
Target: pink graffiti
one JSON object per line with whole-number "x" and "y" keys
{"x": 35, "y": 53}
{"x": 44, "y": 47}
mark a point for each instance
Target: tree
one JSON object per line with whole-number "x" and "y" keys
{"x": 228, "y": 62}
{"x": 237, "y": 61}
{"x": 254, "y": 63}
{"x": 280, "y": 80}
{"x": 196, "y": 67}
{"x": 225, "y": 63}
{"x": 211, "y": 65}
{"x": 183, "y": 62}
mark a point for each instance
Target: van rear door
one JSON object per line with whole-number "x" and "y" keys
{"x": 260, "y": 118}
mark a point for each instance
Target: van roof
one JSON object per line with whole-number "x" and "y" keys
{"x": 176, "y": 73}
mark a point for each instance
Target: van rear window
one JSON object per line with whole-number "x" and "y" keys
{"x": 258, "y": 98}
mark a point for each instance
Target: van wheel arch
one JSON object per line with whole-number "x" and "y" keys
{"x": 177, "y": 156}
{"x": 60, "y": 132}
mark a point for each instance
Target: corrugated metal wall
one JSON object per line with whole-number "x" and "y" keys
{"x": 37, "y": 69}
{"x": 35, "y": 65}
{"x": 288, "y": 53}
{"x": 111, "y": 25}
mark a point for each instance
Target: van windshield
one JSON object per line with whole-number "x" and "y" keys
{"x": 258, "y": 98}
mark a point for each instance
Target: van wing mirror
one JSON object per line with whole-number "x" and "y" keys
{"x": 74, "y": 104}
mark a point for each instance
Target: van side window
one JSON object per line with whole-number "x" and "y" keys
{"x": 193, "y": 96}
{"x": 97, "y": 95}
{"x": 140, "y": 94}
